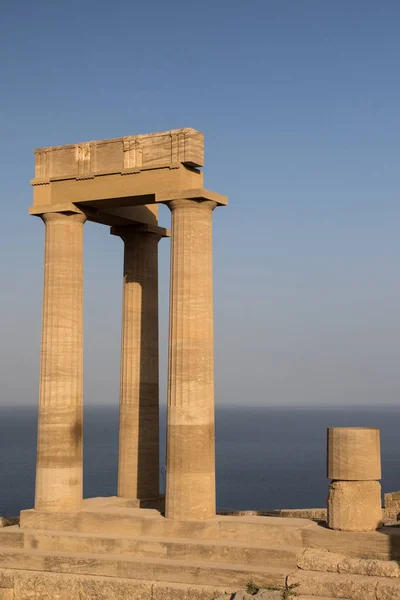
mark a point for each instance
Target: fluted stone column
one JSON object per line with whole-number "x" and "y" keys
{"x": 59, "y": 450}
{"x": 138, "y": 464}
{"x": 190, "y": 486}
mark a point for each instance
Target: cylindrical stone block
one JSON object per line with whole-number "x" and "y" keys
{"x": 354, "y": 505}
{"x": 59, "y": 449}
{"x": 353, "y": 454}
{"x": 138, "y": 463}
{"x": 190, "y": 485}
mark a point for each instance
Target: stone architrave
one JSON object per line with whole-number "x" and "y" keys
{"x": 190, "y": 482}
{"x": 59, "y": 449}
{"x": 138, "y": 464}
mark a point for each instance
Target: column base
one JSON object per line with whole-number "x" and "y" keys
{"x": 354, "y": 505}
{"x": 157, "y": 503}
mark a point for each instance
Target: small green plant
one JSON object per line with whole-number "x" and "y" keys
{"x": 252, "y": 588}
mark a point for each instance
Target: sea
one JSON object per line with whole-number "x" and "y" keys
{"x": 266, "y": 458}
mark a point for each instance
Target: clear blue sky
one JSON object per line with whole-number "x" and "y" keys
{"x": 299, "y": 102}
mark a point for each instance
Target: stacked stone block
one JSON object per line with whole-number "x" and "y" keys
{"x": 354, "y": 466}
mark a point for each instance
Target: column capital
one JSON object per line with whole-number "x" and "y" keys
{"x": 199, "y": 194}
{"x": 191, "y": 203}
{"x": 130, "y": 231}
{"x": 64, "y": 207}
{"x": 63, "y": 217}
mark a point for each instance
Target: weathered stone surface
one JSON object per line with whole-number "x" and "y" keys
{"x": 269, "y": 595}
{"x": 319, "y": 560}
{"x": 262, "y": 594}
{"x": 242, "y": 595}
{"x": 354, "y": 566}
{"x": 11, "y": 537}
{"x": 190, "y": 484}
{"x": 56, "y": 521}
{"x": 326, "y": 561}
{"x": 376, "y": 568}
{"x": 354, "y": 505}
{"x": 129, "y": 176}
{"x": 119, "y": 182}
{"x": 50, "y": 586}
{"x": 380, "y": 568}
{"x": 175, "y": 591}
{"x": 263, "y": 529}
{"x": 314, "y": 514}
{"x": 391, "y": 499}
{"x": 392, "y": 505}
{"x": 24, "y": 586}
{"x": 356, "y": 587}
{"x": 57, "y": 586}
{"x": 149, "y": 569}
{"x": 103, "y": 589}
{"x": 143, "y": 151}
{"x": 60, "y": 432}
{"x": 138, "y": 459}
{"x": 316, "y": 598}
{"x": 383, "y": 544}
{"x": 120, "y": 521}
{"x": 265, "y": 594}
{"x": 388, "y": 590}
{"x": 190, "y": 550}
{"x": 6, "y": 579}
{"x": 354, "y": 454}
{"x": 8, "y": 521}
{"x": 322, "y": 574}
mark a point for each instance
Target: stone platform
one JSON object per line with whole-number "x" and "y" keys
{"x": 113, "y": 550}
{"x": 142, "y": 554}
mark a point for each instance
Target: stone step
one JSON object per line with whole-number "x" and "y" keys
{"x": 202, "y": 550}
{"x": 350, "y": 586}
{"x": 383, "y": 544}
{"x": 12, "y": 537}
{"x": 147, "y": 522}
{"x": 36, "y": 585}
{"x": 317, "y": 598}
{"x": 312, "y": 559}
{"x": 153, "y": 569}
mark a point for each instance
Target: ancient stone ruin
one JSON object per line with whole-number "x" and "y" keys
{"x": 120, "y": 182}
{"x": 134, "y": 545}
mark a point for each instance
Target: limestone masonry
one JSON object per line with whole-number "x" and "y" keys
{"x": 139, "y": 545}
{"x": 119, "y": 182}
{"x": 354, "y": 465}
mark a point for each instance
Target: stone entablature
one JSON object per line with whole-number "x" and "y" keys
{"x": 118, "y": 155}
{"x": 120, "y": 181}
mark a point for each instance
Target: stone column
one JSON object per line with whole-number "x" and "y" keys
{"x": 354, "y": 466}
{"x": 138, "y": 464}
{"x": 59, "y": 450}
{"x": 190, "y": 486}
